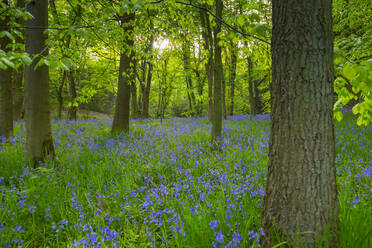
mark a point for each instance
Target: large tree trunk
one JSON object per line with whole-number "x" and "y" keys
{"x": 122, "y": 110}
{"x": 6, "y": 96}
{"x": 72, "y": 92}
{"x": 39, "y": 140}
{"x": 232, "y": 75}
{"x": 218, "y": 77}
{"x": 301, "y": 193}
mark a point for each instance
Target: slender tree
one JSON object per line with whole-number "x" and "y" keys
{"x": 72, "y": 92}
{"x": 145, "y": 83}
{"x": 147, "y": 75}
{"x": 6, "y": 96}
{"x": 217, "y": 75}
{"x": 186, "y": 56}
{"x": 38, "y": 129}
{"x": 301, "y": 195}
{"x": 122, "y": 109}
{"x": 232, "y": 74}
{"x": 252, "y": 96}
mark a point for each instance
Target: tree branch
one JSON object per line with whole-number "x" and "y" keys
{"x": 218, "y": 19}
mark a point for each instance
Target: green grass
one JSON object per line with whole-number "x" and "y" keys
{"x": 162, "y": 185}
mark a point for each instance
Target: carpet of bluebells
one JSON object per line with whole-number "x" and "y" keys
{"x": 162, "y": 185}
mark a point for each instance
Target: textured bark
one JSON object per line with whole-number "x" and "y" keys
{"x": 301, "y": 194}
{"x": 218, "y": 77}
{"x": 6, "y": 96}
{"x": 232, "y": 75}
{"x": 39, "y": 141}
{"x": 122, "y": 110}
{"x": 72, "y": 92}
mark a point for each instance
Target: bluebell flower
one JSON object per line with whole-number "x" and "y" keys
{"x": 18, "y": 229}
{"x": 219, "y": 237}
{"x": 213, "y": 224}
{"x": 237, "y": 237}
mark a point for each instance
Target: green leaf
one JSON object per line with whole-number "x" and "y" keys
{"x": 6, "y": 33}
{"x": 337, "y": 105}
{"x": 8, "y": 62}
{"x": 46, "y": 62}
{"x": 356, "y": 109}
{"x": 260, "y": 29}
{"x": 26, "y": 59}
{"x": 241, "y": 20}
{"x": 65, "y": 66}
{"x": 67, "y": 62}
{"x": 338, "y": 115}
{"x": 3, "y": 66}
{"x": 349, "y": 71}
{"x": 254, "y": 17}
{"x": 40, "y": 63}
{"x": 53, "y": 64}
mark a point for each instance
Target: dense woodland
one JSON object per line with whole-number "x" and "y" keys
{"x": 268, "y": 84}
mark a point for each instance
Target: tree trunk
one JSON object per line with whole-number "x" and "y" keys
{"x": 301, "y": 195}
{"x": 146, "y": 93}
{"x": 72, "y": 92}
{"x": 232, "y": 75}
{"x": 164, "y": 89}
{"x": 122, "y": 110}
{"x": 187, "y": 71}
{"x": 224, "y": 97}
{"x": 133, "y": 91}
{"x": 209, "y": 68}
{"x": 252, "y": 97}
{"x": 60, "y": 94}
{"x": 39, "y": 140}
{"x": 147, "y": 88}
{"x": 218, "y": 77}
{"x": 6, "y": 96}
{"x": 200, "y": 85}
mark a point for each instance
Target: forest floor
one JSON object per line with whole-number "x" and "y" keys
{"x": 162, "y": 185}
